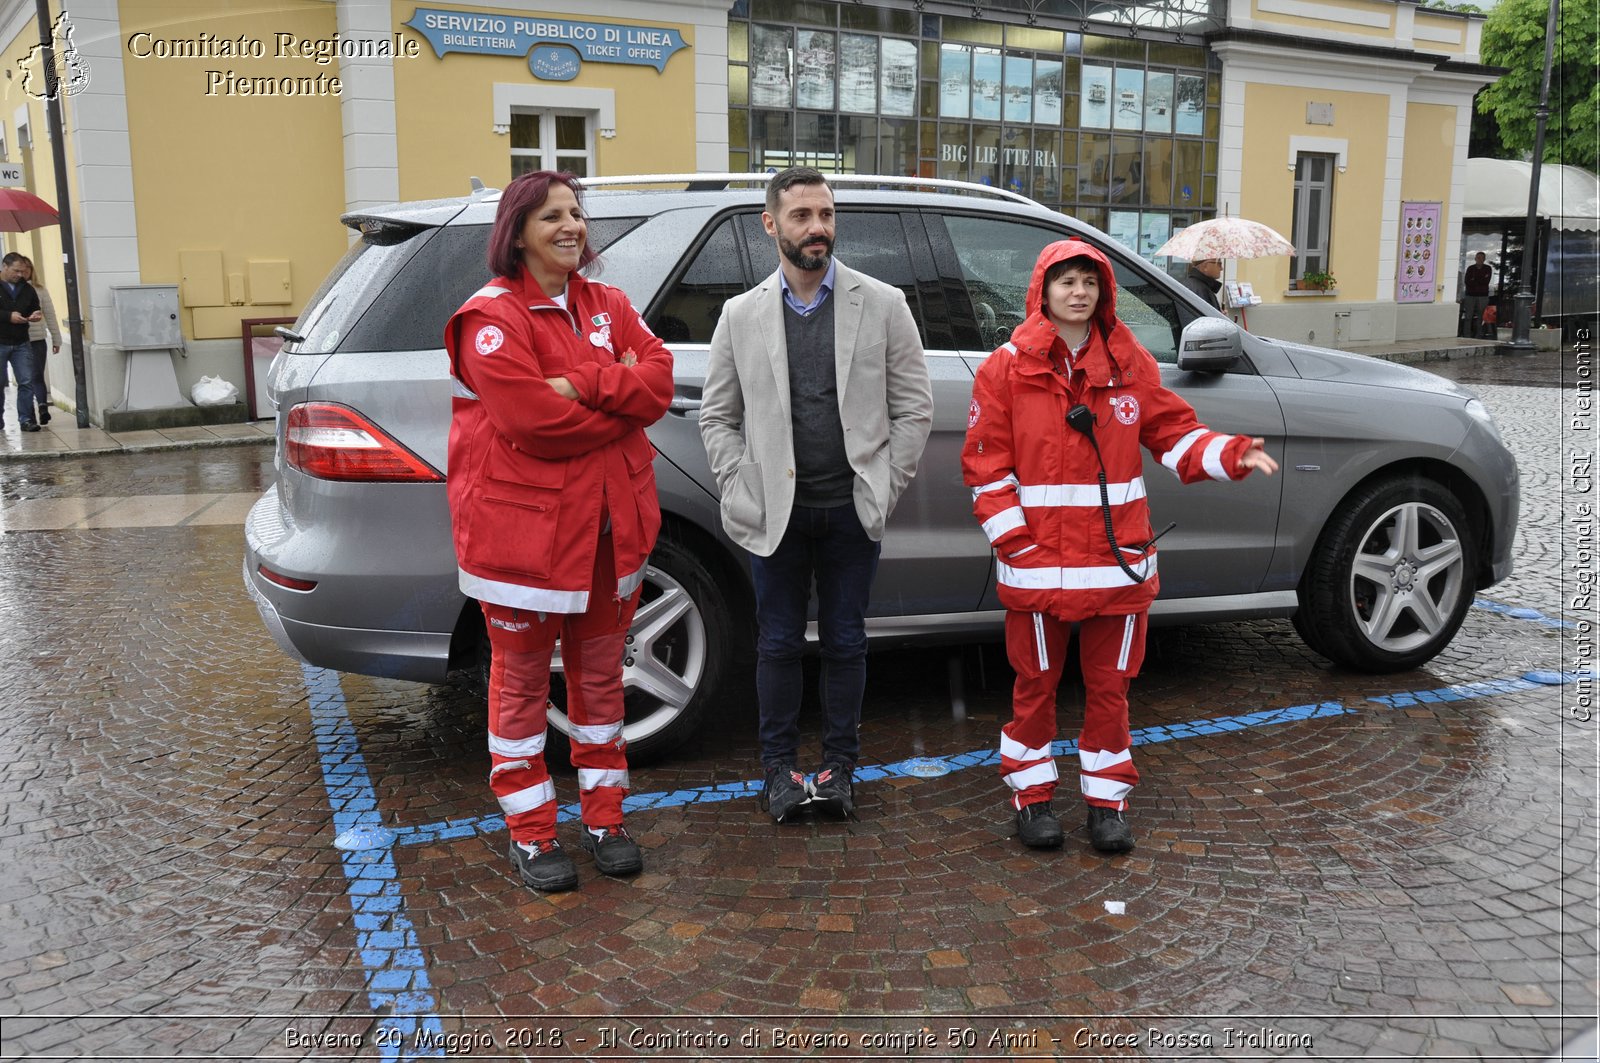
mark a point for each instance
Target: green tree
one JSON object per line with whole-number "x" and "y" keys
{"x": 1513, "y": 38}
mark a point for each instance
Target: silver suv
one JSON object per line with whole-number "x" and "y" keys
{"x": 1396, "y": 501}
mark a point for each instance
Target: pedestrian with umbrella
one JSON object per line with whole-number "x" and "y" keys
{"x": 1206, "y": 244}
{"x": 1204, "y": 279}
{"x": 19, "y": 307}
{"x": 20, "y": 211}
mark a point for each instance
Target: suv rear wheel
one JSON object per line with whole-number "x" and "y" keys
{"x": 676, "y": 656}
{"x": 1391, "y": 580}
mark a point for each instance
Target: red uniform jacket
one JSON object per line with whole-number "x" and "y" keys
{"x": 1033, "y": 478}
{"x": 533, "y": 476}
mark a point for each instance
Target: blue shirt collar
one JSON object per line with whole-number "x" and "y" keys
{"x": 823, "y": 290}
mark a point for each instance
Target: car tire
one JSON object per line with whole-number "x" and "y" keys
{"x": 676, "y": 660}
{"x": 1391, "y": 578}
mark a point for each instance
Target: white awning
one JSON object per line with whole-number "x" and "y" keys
{"x": 1568, "y": 195}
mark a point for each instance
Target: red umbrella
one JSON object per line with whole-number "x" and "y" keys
{"x": 21, "y": 211}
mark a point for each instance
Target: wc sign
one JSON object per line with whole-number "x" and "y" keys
{"x": 10, "y": 176}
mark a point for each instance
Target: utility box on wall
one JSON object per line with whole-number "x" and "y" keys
{"x": 147, "y": 316}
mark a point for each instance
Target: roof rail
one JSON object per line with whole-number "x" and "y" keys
{"x": 705, "y": 182}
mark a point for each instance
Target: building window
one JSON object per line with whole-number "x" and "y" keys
{"x": 1120, "y": 131}
{"x": 1313, "y": 208}
{"x": 551, "y": 140}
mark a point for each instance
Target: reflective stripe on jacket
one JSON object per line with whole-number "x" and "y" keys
{"x": 533, "y": 475}
{"x": 1034, "y": 479}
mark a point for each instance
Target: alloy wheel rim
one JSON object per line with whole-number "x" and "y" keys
{"x": 663, "y": 661}
{"x": 1407, "y": 577}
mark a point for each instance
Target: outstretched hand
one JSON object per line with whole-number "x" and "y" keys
{"x": 1257, "y": 459}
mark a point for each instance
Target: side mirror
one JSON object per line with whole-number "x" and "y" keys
{"x": 1209, "y": 345}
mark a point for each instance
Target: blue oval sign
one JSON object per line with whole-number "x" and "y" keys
{"x": 554, "y": 62}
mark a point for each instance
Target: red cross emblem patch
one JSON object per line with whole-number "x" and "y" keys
{"x": 1126, "y": 407}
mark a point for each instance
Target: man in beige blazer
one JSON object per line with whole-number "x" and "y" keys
{"x": 814, "y": 415}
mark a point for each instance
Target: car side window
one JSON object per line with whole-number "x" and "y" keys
{"x": 997, "y": 259}
{"x": 1150, "y": 311}
{"x": 870, "y": 242}
{"x": 690, "y": 311}
{"x": 410, "y": 313}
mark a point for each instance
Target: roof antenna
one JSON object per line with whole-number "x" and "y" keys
{"x": 477, "y": 185}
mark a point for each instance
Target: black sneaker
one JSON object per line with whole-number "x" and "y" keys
{"x": 1038, "y": 827}
{"x": 784, "y": 792}
{"x": 615, "y": 853}
{"x": 544, "y": 865}
{"x": 31, "y": 426}
{"x": 1109, "y": 831}
{"x": 833, "y": 789}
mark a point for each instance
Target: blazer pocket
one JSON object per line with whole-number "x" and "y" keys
{"x": 744, "y": 503}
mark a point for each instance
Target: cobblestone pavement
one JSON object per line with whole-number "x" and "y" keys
{"x": 211, "y": 852}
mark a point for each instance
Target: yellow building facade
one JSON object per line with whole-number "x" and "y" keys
{"x": 1344, "y": 127}
{"x": 211, "y": 149}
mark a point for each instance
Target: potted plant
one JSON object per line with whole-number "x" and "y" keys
{"x": 1317, "y": 280}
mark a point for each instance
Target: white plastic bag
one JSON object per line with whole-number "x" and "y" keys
{"x": 214, "y": 391}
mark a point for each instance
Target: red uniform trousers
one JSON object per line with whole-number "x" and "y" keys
{"x": 1110, "y": 651}
{"x": 519, "y": 691}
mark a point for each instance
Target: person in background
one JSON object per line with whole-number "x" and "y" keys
{"x": 553, "y": 508}
{"x": 1476, "y": 286}
{"x": 19, "y": 308}
{"x": 38, "y": 339}
{"x": 1056, "y": 413}
{"x": 812, "y": 446}
{"x": 1204, "y": 278}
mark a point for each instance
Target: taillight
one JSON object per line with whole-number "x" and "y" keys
{"x": 334, "y": 442}
{"x": 286, "y": 581}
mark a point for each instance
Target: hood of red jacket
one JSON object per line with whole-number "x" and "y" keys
{"x": 1105, "y": 312}
{"x": 1114, "y": 353}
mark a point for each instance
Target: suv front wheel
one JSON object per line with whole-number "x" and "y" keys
{"x": 1391, "y": 578}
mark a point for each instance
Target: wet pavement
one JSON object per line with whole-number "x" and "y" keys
{"x": 212, "y": 852}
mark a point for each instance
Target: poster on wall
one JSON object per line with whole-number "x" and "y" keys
{"x": 858, "y": 73}
{"x": 1153, "y": 232}
{"x": 1124, "y": 228}
{"x": 1128, "y": 100}
{"x": 1019, "y": 89}
{"x": 1094, "y": 110}
{"x": 899, "y": 77}
{"x": 1419, "y": 252}
{"x": 955, "y": 81}
{"x": 769, "y": 67}
{"x": 986, "y": 83}
{"x": 815, "y": 59}
{"x": 1047, "y": 92}
{"x": 1189, "y": 111}
{"x": 1158, "y": 103}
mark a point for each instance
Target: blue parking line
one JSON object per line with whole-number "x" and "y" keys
{"x": 398, "y": 988}
{"x": 927, "y": 767}
{"x": 1520, "y": 612}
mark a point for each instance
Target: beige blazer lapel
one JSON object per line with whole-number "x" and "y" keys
{"x": 769, "y": 315}
{"x": 847, "y": 312}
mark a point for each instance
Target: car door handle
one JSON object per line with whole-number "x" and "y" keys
{"x": 683, "y": 405}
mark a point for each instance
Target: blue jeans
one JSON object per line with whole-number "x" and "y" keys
{"x": 19, "y": 356}
{"x": 831, "y": 546}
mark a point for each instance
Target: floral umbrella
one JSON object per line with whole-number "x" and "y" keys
{"x": 1226, "y": 238}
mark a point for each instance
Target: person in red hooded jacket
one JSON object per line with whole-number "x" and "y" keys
{"x": 553, "y": 509}
{"x": 1038, "y": 490}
